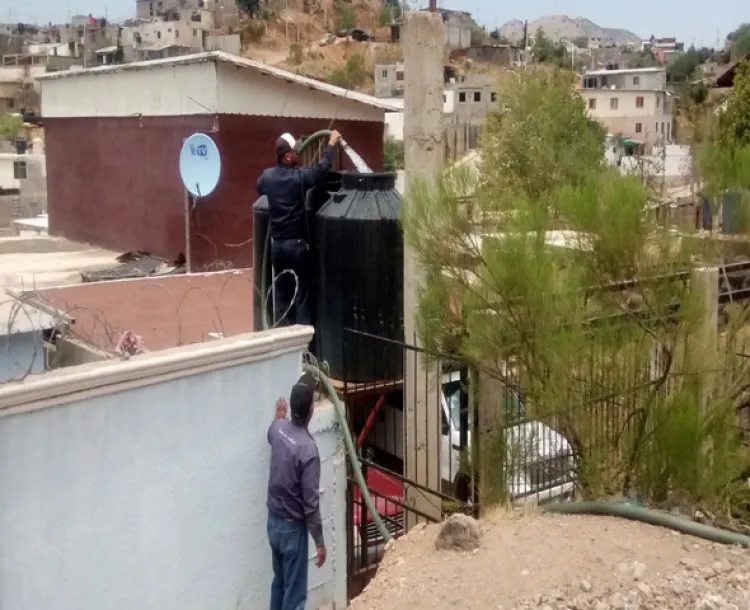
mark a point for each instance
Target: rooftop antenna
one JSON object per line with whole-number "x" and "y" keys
{"x": 200, "y": 170}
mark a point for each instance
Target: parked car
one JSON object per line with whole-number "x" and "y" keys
{"x": 539, "y": 461}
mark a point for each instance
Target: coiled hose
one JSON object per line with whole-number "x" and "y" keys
{"x": 314, "y": 370}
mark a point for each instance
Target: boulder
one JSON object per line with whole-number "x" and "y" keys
{"x": 459, "y": 533}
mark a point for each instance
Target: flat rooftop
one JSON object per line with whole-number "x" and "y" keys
{"x": 165, "y": 311}
{"x": 39, "y": 262}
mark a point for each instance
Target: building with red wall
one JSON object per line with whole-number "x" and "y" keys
{"x": 114, "y": 133}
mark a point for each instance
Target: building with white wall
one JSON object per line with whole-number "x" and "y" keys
{"x": 632, "y": 103}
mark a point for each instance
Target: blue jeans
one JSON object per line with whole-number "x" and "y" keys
{"x": 289, "y": 547}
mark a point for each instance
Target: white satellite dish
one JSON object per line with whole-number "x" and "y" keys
{"x": 200, "y": 165}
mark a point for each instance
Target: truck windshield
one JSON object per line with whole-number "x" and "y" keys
{"x": 514, "y": 409}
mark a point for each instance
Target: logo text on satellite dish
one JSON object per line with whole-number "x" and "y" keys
{"x": 199, "y": 151}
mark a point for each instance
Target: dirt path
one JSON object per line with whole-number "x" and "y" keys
{"x": 556, "y": 562}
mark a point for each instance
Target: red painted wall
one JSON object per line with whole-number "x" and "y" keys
{"x": 115, "y": 183}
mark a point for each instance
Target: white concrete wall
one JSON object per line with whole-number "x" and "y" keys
{"x": 246, "y": 91}
{"x": 142, "y": 484}
{"x": 166, "y": 90}
{"x": 7, "y": 179}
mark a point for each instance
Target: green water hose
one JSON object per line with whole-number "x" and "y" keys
{"x": 350, "y": 450}
{"x": 309, "y": 368}
{"x": 634, "y": 512}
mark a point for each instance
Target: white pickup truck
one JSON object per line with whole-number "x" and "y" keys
{"x": 539, "y": 464}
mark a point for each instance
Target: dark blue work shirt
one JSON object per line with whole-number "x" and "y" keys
{"x": 294, "y": 479}
{"x": 286, "y": 188}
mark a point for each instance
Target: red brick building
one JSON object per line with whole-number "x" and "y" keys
{"x": 113, "y": 136}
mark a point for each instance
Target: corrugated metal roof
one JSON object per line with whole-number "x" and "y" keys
{"x": 222, "y": 56}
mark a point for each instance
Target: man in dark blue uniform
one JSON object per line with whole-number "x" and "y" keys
{"x": 293, "y": 498}
{"x": 286, "y": 185}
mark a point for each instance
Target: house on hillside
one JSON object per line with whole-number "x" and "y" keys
{"x": 631, "y": 103}
{"x": 112, "y": 154}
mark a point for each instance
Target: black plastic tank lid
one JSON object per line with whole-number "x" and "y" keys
{"x": 376, "y": 181}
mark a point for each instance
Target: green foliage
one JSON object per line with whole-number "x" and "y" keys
{"x": 11, "y": 126}
{"x": 352, "y": 75}
{"x": 346, "y": 17}
{"x": 393, "y": 154}
{"x": 581, "y": 42}
{"x": 251, "y": 7}
{"x": 296, "y": 54}
{"x": 644, "y": 59}
{"x": 385, "y": 15}
{"x": 683, "y": 68}
{"x": 547, "y": 52}
{"x": 253, "y": 31}
{"x": 740, "y": 41}
{"x": 517, "y": 306}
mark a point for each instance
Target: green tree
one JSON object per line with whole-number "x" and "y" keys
{"x": 11, "y": 126}
{"x": 251, "y": 7}
{"x": 518, "y": 308}
{"x": 385, "y": 16}
{"x": 684, "y": 67}
{"x": 393, "y": 154}
{"x": 352, "y": 75}
{"x": 740, "y": 40}
{"x": 547, "y": 52}
{"x": 346, "y": 18}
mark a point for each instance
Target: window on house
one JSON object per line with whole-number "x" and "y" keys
{"x": 477, "y": 96}
{"x": 636, "y": 80}
{"x": 669, "y": 131}
{"x": 11, "y": 104}
{"x": 19, "y": 170}
{"x": 158, "y": 34}
{"x": 462, "y": 96}
{"x": 400, "y": 75}
{"x": 385, "y": 73}
{"x": 658, "y": 101}
{"x": 177, "y": 33}
{"x": 639, "y": 102}
{"x": 493, "y": 96}
{"x": 638, "y": 128}
{"x": 592, "y": 103}
{"x": 445, "y": 98}
{"x": 195, "y": 32}
{"x": 613, "y": 103}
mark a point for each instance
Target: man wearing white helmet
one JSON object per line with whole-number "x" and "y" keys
{"x": 286, "y": 185}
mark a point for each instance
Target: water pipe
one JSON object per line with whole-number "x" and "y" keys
{"x": 350, "y": 450}
{"x": 634, "y": 512}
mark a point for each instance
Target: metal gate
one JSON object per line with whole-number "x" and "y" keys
{"x": 395, "y": 443}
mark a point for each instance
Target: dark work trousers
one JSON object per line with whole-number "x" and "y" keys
{"x": 291, "y": 255}
{"x": 289, "y": 545}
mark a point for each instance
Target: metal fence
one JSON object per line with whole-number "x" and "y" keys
{"x": 415, "y": 460}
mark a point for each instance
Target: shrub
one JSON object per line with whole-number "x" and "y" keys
{"x": 352, "y": 75}
{"x": 346, "y": 18}
{"x": 296, "y": 54}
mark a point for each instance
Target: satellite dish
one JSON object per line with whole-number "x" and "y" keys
{"x": 200, "y": 165}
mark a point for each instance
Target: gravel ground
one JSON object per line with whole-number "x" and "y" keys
{"x": 562, "y": 563}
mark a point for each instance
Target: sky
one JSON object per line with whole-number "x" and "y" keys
{"x": 691, "y": 21}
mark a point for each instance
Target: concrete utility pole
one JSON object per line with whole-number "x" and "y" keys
{"x": 423, "y": 155}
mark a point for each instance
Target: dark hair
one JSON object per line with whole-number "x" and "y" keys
{"x": 301, "y": 400}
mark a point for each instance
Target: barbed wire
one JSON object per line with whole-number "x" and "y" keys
{"x": 47, "y": 329}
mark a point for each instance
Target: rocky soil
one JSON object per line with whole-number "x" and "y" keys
{"x": 561, "y": 563}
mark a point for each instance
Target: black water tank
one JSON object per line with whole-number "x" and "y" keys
{"x": 360, "y": 254}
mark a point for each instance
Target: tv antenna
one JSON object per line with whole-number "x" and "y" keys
{"x": 200, "y": 170}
